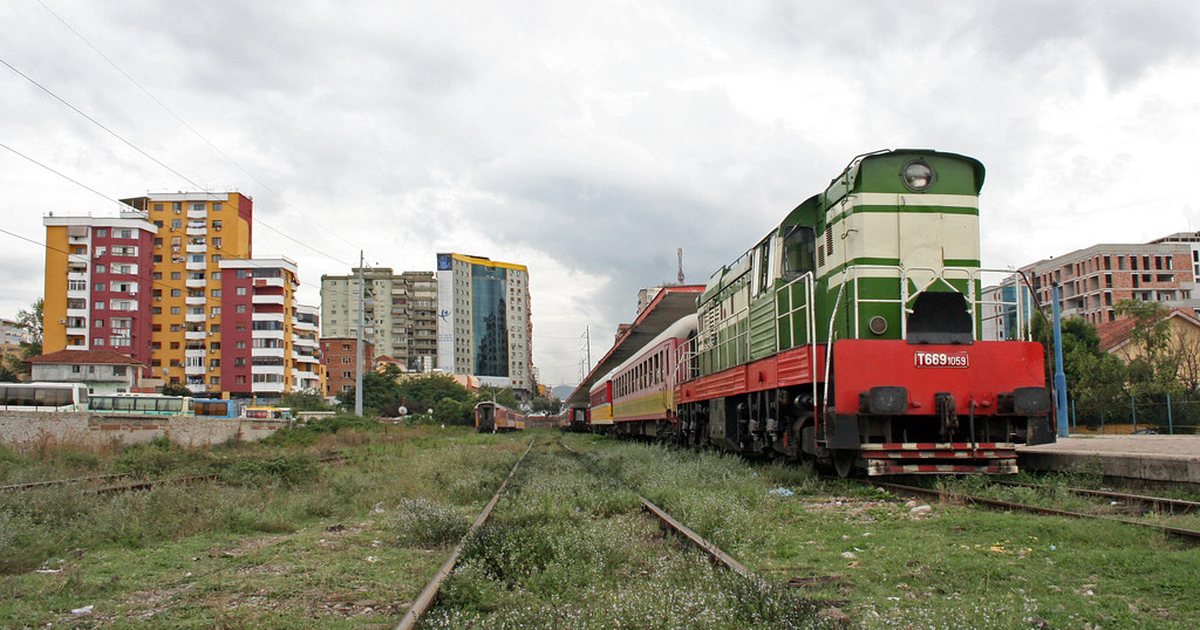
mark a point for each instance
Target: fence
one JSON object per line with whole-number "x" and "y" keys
{"x": 1141, "y": 414}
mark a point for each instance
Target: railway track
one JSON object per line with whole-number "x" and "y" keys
{"x": 1188, "y": 534}
{"x": 429, "y": 594}
{"x": 1158, "y": 504}
{"x": 145, "y": 484}
{"x": 714, "y": 552}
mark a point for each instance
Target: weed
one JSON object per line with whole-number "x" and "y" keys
{"x": 425, "y": 523}
{"x": 286, "y": 470}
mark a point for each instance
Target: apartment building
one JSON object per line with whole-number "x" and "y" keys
{"x": 399, "y": 313}
{"x": 171, "y": 282}
{"x": 338, "y": 355}
{"x": 1095, "y": 278}
{"x": 485, "y": 328}
{"x": 196, "y": 231}
{"x": 99, "y": 284}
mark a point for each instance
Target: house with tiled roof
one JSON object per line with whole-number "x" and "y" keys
{"x": 103, "y": 371}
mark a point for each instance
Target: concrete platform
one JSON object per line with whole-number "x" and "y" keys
{"x": 1154, "y": 458}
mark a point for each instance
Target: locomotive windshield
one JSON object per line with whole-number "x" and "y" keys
{"x": 799, "y": 252}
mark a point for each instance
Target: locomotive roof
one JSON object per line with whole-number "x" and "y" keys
{"x": 810, "y": 212}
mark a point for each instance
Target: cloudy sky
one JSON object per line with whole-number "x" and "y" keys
{"x": 589, "y": 140}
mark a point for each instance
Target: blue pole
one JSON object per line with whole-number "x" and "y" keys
{"x": 1170, "y": 424}
{"x": 1060, "y": 378}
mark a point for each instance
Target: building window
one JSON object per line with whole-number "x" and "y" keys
{"x": 175, "y": 310}
{"x": 216, "y": 225}
{"x": 101, "y": 232}
{"x": 98, "y": 342}
{"x": 241, "y": 291}
{"x": 176, "y": 275}
{"x": 176, "y": 224}
{"x": 241, "y": 308}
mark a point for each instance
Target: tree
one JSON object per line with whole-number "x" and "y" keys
{"x": 425, "y": 391}
{"x": 31, "y": 322}
{"x": 1095, "y": 379}
{"x": 1153, "y": 369}
{"x": 548, "y": 405}
{"x": 175, "y": 389}
{"x": 502, "y": 395}
{"x": 381, "y": 392}
{"x": 450, "y": 411}
{"x": 304, "y": 401}
{"x": 14, "y": 367}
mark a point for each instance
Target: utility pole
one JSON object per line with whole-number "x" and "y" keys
{"x": 679, "y": 254}
{"x": 1060, "y": 378}
{"x": 358, "y": 353}
{"x": 587, "y": 336}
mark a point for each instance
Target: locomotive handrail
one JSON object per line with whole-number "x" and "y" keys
{"x": 851, "y": 274}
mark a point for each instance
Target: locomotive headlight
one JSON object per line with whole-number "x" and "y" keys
{"x": 878, "y": 325}
{"x": 917, "y": 176}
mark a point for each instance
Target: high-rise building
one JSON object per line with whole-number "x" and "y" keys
{"x": 399, "y": 313}
{"x": 196, "y": 231}
{"x": 484, "y": 321}
{"x": 150, "y": 284}
{"x": 99, "y": 284}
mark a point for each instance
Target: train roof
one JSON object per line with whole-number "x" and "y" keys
{"x": 665, "y": 309}
{"x": 685, "y": 325}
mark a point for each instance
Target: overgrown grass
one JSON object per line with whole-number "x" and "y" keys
{"x": 568, "y": 549}
{"x": 277, "y": 541}
{"x": 955, "y": 566}
{"x": 309, "y": 433}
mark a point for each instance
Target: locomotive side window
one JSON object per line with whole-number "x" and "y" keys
{"x": 799, "y": 252}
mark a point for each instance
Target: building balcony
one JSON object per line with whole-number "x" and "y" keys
{"x": 77, "y": 312}
{"x": 195, "y": 335}
{"x": 268, "y": 282}
{"x": 267, "y": 334}
{"x": 196, "y": 266}
{"x": 198, "y": 214}
{"x": 196, "y": 283}
{"x": 196, "y": 248}
{"x": 304, "y": 358}
{"x": 267, "y": 317}
{"x": 194, "y": 370}
{"x": 268, "y": 299}
{"x": 305, "y": 342}
{"x": 193, "y": 318}
{"x": 267, "y": 388}
{"x": 268, "y": 369}
{"x": 267, "y": 352}
{"x": 193, "y": 300}
{"x": 199, "y": 353}
{"x": 77, "y": 331}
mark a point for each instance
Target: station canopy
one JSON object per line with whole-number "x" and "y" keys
{"x": 671, "y": 303}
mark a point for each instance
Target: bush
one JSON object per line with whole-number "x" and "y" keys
{"x": 156, "y": 458}
{"x": 426, "y": 523}
{"x": 285, "y": 470}
{"x": 307, "y": 434}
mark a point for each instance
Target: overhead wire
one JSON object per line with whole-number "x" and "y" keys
{"x": 183, "y": 122}
{"x": 157, "y": 161}
{"x": 51, "y": 169}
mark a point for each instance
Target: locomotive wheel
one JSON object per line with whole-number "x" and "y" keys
{"x": 843, "y": 462}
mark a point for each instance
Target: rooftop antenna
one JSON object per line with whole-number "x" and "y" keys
{"x": 679, "y": 255}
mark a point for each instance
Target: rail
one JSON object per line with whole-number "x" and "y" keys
{"x": 429, "y": 594}
{"x": 1191, "y": 535}
{"x": 714, "y": 552}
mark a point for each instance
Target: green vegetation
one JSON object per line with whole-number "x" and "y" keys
{"x": 280, "y": 540}
{"x": 305, "y": 401}
{"x": 277, "y": 540}
{"x": 568, "y": 549}
{"x": 15, "y": 367}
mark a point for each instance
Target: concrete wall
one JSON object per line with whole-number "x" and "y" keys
{"x": 21, "y": 430}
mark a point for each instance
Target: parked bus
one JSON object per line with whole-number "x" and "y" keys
{"x": 57, "y": 397}
{"x": 141, "y": 404}
{"x": 215, "y": 408}
{"x": 265, "y": 412}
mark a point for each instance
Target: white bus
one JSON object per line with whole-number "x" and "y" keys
{"x": 43, "y": 397}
